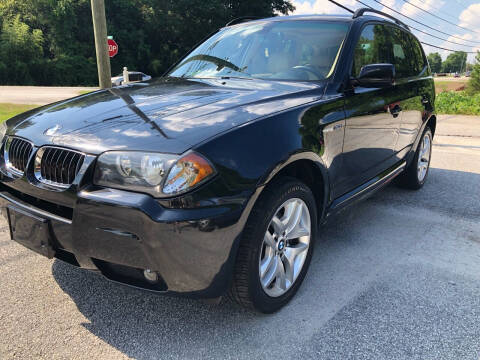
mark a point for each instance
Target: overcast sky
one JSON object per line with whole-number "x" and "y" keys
{"x": 465, "y": 13}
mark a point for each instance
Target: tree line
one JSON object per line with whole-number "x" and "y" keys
{"x": 455, "y": 62}
{"x": 50, "y": 42}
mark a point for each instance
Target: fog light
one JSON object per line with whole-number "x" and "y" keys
{"x": 150, "y": 275}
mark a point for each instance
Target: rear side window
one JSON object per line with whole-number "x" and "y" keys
{"x": 374, "y": 47}
{"x": 388, "y": 44}
{"x": 417, "y": 55}
{"x": 404, "y": 61}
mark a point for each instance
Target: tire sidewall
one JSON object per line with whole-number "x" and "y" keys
{"x": 291, "y": 189}
{"x": 417, "y": 154}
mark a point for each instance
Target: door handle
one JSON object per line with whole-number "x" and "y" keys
{"x": 397, "y": 109}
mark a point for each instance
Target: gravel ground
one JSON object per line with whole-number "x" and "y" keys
{"x": 395, "y": 277}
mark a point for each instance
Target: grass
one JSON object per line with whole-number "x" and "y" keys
{"x": 10, "y": 110}
{"x": 452, "y": 99}
{"x": 457, "y": 102}
{"x": 446, "y": 85}
{"x": 85, "y": 92}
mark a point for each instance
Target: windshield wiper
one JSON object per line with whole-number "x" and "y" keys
{"x": 220, "y": 63}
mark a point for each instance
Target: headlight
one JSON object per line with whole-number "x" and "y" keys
{"x": 3, "y": 130}
{"x": 187, "y": 173}
{"x": 160, "y": 175}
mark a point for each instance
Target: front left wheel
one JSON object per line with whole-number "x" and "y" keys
{"x": 276, "y": 247}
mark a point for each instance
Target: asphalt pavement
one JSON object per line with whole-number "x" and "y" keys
{"x": 395, "y": 277}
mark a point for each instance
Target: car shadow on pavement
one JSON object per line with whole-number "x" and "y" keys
{"x": 145, "y": 325}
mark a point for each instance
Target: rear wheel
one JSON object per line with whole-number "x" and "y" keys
{"x": 276, "y": 247}
{"x": 415, "y": 175}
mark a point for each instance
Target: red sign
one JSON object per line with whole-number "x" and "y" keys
{"x": 112, "y": 48}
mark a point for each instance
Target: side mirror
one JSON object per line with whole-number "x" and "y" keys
{"x": 376, "y": 76}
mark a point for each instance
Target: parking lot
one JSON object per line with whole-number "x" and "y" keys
{"x": 397, "y": 276}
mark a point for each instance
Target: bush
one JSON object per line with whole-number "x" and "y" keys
{"x": 474, "y": 82}
{"x": 20, "y": 46}
{"x": 459, "y": 102}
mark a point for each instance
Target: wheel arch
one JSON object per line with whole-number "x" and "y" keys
{"x": 432, "y": 124}
{"x": 308, "y": 168}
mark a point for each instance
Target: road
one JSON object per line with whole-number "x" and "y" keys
{"x": 35, "y": 95}
{"x": 395, "y": 277}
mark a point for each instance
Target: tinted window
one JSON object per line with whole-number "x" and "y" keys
{"x": 417, "y": 55}
{"x": 294, "y": 50}
{"x": 374, "y": 47}
{"x": 135, "y": 77}
{"x": 402, "y": 54}
{"x": 388, "y": 44}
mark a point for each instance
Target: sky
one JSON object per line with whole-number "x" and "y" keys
{"x": 464, "y": 13}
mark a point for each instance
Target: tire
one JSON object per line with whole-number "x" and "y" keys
{"x": 281, "y": 198}
{"x": 412, "y": 178}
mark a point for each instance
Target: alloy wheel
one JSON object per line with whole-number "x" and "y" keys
{"x": 285, "y": 247}
{"x": 424, "y": 157}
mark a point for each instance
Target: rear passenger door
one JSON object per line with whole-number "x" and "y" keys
{"x": 415, "y": 83}
{"x": 373, "y": 115}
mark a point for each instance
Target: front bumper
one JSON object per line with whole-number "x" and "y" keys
{"x": 120, "y": 234}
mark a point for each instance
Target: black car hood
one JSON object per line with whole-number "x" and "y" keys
{"x": 167, "y": 115}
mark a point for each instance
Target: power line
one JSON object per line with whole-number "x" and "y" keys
{"x": 424, "y": 43}
{"x": 418, "y": 22}
{"x": 442, "y": 48}
{"x": 423, "y": 32}
{"x": 438, "y": 17}
{"x": 430, "y": 6}
{"x": 342, "y": 6}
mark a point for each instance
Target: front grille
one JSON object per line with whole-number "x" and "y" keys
{"x": 17, "y": 153}
{"x": 57, "y": 167}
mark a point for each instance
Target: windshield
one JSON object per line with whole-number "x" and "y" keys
{"x": 280, "y": 50}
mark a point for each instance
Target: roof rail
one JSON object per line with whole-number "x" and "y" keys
{"x": 362, "y": 11}
{"x": 242, "y": 20}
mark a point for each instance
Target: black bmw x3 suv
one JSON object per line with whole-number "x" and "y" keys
{"x": 215, "y": 178}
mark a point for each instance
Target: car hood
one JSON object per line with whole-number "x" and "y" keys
{"x": 168, "y": 115}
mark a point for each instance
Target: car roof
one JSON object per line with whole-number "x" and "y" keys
{"x": 345, "y": 18}
{"x": 319, "y": 17}
{"x": 339, "y": 17}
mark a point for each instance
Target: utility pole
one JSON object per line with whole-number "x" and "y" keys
{"x": 101, "y": 44}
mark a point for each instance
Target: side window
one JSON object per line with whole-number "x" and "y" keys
{"x": 418, "y": 55}
{"x": 373, "y": 47}
{"x": 402, "y": 54}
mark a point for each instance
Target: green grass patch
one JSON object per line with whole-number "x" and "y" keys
{"x": 85, "y": 92}
{"x": 457, "y": 102}
{"x": 10, "y": 110}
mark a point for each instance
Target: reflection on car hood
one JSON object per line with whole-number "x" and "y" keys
{"x": 168, "y": 115}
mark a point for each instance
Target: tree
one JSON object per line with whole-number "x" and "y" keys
{"x": 152, "y": 34}
{"x": 474, "y": 82}
{"x": 455, "y": 62}
{"x": 21, "y": 50}
{"x": 435, "y": 61}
